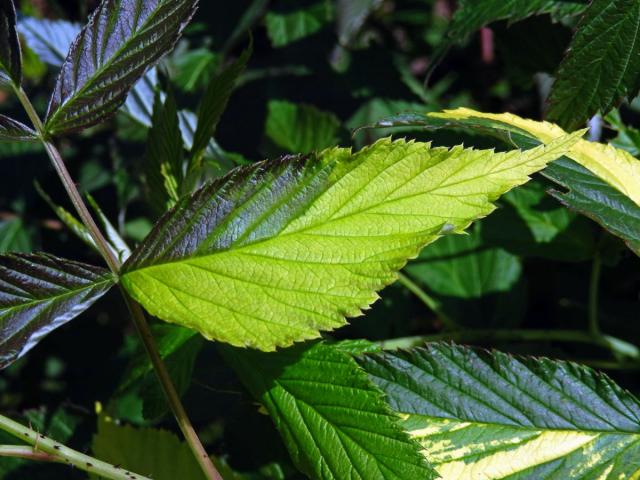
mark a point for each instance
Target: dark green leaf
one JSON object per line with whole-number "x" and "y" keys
{"x": 164, "y": 156}
{"x": 12, "y": 130}
{"x": 474, "y": 14}
{"x": 494, "y": 416}
{"x": 301, "y": 128}
{"x": 213, "y": 105}
{"x": 591, "y": 196}
{"x": 122, "y": 40}
{"x": 289, "y": 27}
{"x": 335, "y": 426}
{"x": 602, "y": 65}
{"x": 39, "y": 293}
{"x": 49, "y": 39}
{"x": 10, "y": 54}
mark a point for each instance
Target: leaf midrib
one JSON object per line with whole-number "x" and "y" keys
{"x": 87, "y": 84}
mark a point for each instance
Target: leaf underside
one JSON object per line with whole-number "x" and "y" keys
{"x": 49, "y": 39}
{"x": 39, "y": 293}
{"x": 334, "y": 428}
{"x": 10, "y": 55}
{"x": 122, "y": 40}
{"x": 602, "y": 65}
{"x": 14, "y": 131}
{"x": 273, "y": 253}
{"x": 491, "y": 416}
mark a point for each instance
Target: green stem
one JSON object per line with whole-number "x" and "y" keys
{"x": 594, "y": 288}
{"x": 172, "y": 396}
{"x": 136, "y": 311}
{"x": 613, "y": 344}
{"x": 427, "y": 299}
{"x": 46, "y": 449}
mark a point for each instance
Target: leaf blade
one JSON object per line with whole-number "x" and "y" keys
{"x": 334, "y": 428}
{"x": 10, "y": 53}
{"x": 39, "y": 293}
{"x": 291, "y": 247}
{"x": 477, "y": 413}
{"x": 109, "y": 55}
{"x": 602, "y": 65}
{"x": 14, "y": 131}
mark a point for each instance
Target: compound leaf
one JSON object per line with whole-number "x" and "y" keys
{"x": 39, "y": 293}
{"x": 482, "y": 415}
{"x": 10, "y": 54}
{"x": 335, "y": 426}
{"x": 273, "y": 253}
{"x": 602, "y": 65}
{"x": 122, "y": 40}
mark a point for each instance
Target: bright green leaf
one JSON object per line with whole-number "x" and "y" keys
{"x": 602, "y": 65}
{"x": 10, "y": 55}
{"x": 300, "y": 128}
{"x": 482, "y": 415}
{"x": 195, "y": 69}
{"x": 288, "y": 27}
{"x": 335, "y": 426}
{"x": 39, "y": 293}
{"x": 121, "y": 41}
{"x": 276, "y": 252}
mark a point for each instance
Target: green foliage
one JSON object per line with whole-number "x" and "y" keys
{"x": 39, "y": 293}
{"x": 505, "y": 416}
{"x": 351, "y": 219}
{"x": 109, "y": 55}
{"x": 154, "y": 453}
{"x": 12, "y": 130}
{"x": 289, "y": 27}
{"x": 334, "y": 428}
{"x": 602, "y": 65}
{"x": 300, "y": 128}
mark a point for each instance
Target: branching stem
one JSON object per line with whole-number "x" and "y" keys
{"x": 46, "y": 449}
{"x": 137, "y": 313}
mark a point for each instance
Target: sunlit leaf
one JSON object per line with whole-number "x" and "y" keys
{"x": 276, "y": 252}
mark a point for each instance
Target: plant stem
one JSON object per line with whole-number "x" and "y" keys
{"x": 138, "y": 316}
{"x": 69, "y": 185}
{"x": 47, "y": 449}
{"x": 594, "y": 288}
{"x": 137, "y": 313}
{"x": 613, "y": 344}
{"x": 427, "y": 299}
